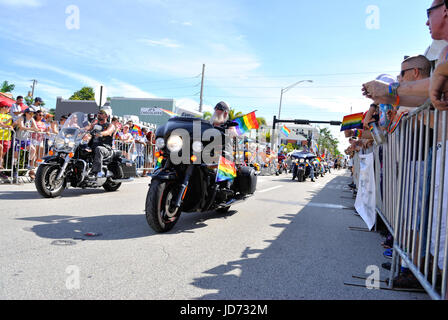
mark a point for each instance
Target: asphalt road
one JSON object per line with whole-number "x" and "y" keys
{"x": 289, "y": 241}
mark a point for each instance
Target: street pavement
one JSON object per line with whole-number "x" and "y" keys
{"x": 290, "y": 241}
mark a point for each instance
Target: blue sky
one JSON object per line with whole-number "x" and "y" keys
{"x": 252, "y": 49}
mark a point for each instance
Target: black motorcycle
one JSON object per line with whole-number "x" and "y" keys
{"x": 190, "y": 185}
{"x": 71, "y": 159}
{"x": 299, "y": 169}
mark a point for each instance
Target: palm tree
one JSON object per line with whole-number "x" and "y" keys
{"x": 6, "y": 87}
{"x": 207, "y": 115}
{"x": 234, "y": 115}
{"x": 262, "y": 121}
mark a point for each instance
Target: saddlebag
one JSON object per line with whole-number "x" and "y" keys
{"x": 246, "y": 181}
{"x": 123, "y": 169}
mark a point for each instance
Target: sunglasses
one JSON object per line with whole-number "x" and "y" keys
{"x": 403, "y": 72}
{"x": 220, "y": 109}
{"x": 428, "y": 11}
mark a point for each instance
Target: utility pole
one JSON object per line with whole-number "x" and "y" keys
{"x": 32, "y": 88}
{"x": 202, "y": 88}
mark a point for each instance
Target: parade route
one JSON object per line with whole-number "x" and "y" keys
{"x": 290, "y": 241}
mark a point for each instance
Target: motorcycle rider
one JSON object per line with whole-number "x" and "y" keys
{"x": 311, "y": 164}
{"x": 101, "y": 143}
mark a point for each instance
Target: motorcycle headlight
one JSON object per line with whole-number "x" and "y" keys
{"x": 174, "y": 143}
{"x": 160, "y": 143}
{"x": 197, "y": 146}
{"x": 71, "y": 144}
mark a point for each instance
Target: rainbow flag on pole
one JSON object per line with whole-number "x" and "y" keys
{"x": 353, "y": 121}
{"x": 286, "y": 131}
{"x": 246, "y": 123}
{"x": 226, "y": 170}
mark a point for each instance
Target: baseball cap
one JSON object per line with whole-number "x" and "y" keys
{"x": 38, "y": 99}
{"x": 222, "y": 106}
{"x": 4, "y": 104}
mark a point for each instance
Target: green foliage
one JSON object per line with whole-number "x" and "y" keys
{"x": 7, "y": 87}
{"x": 86, "y": 93}
{"x": 328, "y": 142}
{"x": 207, "y": 115}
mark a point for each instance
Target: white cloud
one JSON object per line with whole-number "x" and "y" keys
{"x": 21, "y": 3}
{"x": 167, "y": 43}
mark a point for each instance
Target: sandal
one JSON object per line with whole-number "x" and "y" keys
{"x": 32, "y": 175}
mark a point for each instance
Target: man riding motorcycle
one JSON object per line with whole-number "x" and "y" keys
{"x": 101, "y": 143}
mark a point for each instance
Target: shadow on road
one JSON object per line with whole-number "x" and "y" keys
{"x": 34, "y": 195}
{"x": 311, "y": 259}
{"x": 113, "y": 227}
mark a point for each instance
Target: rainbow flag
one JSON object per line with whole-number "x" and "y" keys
{"x": 170, "y": 113}
{"x": 357, "y": 133}
{"x": 226, "y": 170}
{"x": 353, "y": 121}
{"x": 286, "y": 131}
{"x": 246, "y": 123}
{"x": 159, "y": 163}
{"x": 136, "y": 130}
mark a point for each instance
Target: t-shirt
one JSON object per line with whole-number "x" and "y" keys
{"x": 140, "y": 147}
{"x": 5, "y": 134}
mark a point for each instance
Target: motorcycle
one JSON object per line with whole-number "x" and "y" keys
{"x": 299, "y": 170}
{"x": 71, "y": 158}
{"x": 190, "y": 186}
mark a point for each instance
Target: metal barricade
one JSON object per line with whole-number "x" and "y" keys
{"x": 412, "y": 197}
{"x": 6, "y": 154}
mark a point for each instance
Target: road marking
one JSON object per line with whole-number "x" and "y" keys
{"x": 270, "y": 189}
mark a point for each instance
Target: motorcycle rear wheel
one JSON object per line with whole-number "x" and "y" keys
{"x": 159, "y": 214}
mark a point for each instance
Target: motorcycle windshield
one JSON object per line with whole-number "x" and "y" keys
{"x": 72, "y": 131}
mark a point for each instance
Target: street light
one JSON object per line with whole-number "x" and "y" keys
{"x": 286, "y": 90}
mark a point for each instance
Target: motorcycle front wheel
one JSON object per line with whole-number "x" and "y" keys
{"x": 160, "y": 214}
{"x": 46, "y": 183}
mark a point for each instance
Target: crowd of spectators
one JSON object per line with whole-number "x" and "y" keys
{"x": 27, "y": 132}
{"x": 420, "y": 80}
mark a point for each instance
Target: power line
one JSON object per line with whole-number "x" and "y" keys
{"x": 307, "y": 75}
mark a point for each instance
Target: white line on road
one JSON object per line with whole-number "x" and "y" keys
{"x": 270, "y": 189}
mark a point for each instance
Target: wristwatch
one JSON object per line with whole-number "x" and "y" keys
{"x": 393, "y": 89}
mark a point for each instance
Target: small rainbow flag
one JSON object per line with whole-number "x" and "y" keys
{"x": 353, "y": 121}
{"x": 246, "y": 123}
{"x": 357, "y": 133}
{"x": 170, "y": 113}
{"x": 226, "y": 170}
{"x": 286, "y": 131}
{"x": 159, "y": 163}
{"x": 136, "y": 130}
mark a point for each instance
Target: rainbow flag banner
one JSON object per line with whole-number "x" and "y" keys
{"x": 170, "y": 113}
{"x": 226, "y": 170}
{"x": 246, "y": 123}
{"x": 286, "y": 131}
{"x": 353, "y": 121}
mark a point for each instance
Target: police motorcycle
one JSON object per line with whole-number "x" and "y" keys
{"x": 190, "y": 185}
{"x": 299, "y": 167}
{"x": 71, "y": 158}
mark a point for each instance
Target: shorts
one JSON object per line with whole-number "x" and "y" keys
{"x": 22, "y": 145}
{"x": 6, "y": 145}
{"x": 439, "y": 178}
